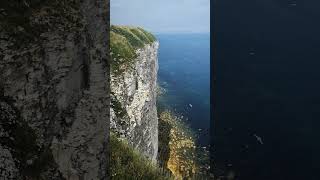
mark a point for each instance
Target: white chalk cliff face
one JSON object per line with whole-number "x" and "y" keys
{"x": 134, "y": 92}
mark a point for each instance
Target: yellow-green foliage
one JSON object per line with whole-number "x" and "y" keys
{"x": 124, "y": 41}
{"x": 122, "y": 53}
{"x": 126, "y": 163}
{"x": 180, "y": 144}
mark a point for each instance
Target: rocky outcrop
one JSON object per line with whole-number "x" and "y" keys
{"x": 133, "y": 97}
{"x": 54, "y": 86}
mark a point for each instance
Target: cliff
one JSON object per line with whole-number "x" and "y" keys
{"x": 54, "y": 84}
{"x": 133, "y": 88}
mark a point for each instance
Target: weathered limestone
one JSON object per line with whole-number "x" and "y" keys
{"x": 57, "y": 87}
{"x": 135, "y": 90}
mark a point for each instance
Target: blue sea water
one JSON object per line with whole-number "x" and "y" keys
{"x": 184, "y": 72}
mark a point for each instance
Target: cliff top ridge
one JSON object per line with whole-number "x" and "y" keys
{"x": 124, "y": 41}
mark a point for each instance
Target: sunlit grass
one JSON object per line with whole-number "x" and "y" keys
{"x": 182, "y": 158}
{"x": 127, "y": 163}
{"x": 124, "y": 41}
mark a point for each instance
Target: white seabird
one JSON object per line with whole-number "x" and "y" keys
{"x": 259, "y": 139}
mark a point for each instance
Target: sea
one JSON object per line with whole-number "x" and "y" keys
{"x": 184, "y": 74}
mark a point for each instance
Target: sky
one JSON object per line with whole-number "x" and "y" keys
{"x": 163, "y": 16}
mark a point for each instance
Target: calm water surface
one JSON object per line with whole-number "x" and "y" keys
{"x": 184, "y": 71}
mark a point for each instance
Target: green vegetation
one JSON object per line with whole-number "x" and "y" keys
{"x": 124, "y": 41}
{"x": 178, "y": 151}
{"x": 150, "y": 36}
{"x": 164, "y": 140}
{"x": 127, "y": 163}
{"x": 136, "y": 36}
{"x": 181, "y": 160}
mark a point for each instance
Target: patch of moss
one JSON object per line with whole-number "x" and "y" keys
{"x": 127, "y": 163}
{"x": 124, "y": 41}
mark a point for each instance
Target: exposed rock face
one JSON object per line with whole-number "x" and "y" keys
{"x": 54, "y": 86}
{"x": 134, "y": 112}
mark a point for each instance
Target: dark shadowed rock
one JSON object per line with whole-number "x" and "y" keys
{"x": 54, "y": 89}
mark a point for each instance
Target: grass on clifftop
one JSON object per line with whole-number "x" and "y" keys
{"x": 127, "y": 163}
{"x": 124, "y": 41}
